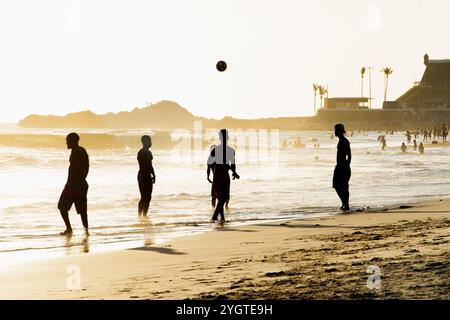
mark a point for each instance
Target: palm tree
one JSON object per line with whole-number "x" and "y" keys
{"x": 322, "y": 92}
{"x": 363, "y": 71}
{"x": 387, "y": 72}
{"x": 315, "y": 88}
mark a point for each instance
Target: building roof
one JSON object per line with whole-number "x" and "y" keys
{"x": 439, "y": 61}
{"x": 353, "y": 99}
{"x": 437, "y": 74}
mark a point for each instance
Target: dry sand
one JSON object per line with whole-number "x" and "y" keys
{"x": 324, "y": 258}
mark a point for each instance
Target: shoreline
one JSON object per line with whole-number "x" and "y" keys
{"x": 17, "y": 258}
{"x": 295, "y": 259}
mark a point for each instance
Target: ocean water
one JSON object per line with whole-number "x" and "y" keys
{"x": 276, "y": 183}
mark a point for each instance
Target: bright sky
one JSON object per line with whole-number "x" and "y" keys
{"x": 62, "y": 56}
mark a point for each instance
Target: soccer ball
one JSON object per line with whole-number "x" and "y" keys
{"x": 221, "y": 66}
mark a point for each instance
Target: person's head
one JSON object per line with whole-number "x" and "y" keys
{"x": 339, "y": 130}
{"x": 146, "y": 141}
{"x": 72, "y": 140}
{"x": 223, "y": 135}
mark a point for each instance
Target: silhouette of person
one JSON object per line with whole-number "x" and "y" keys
{"x": 444, "y": 133}
{"x": 403, "y": 147}
{"x": 383, "y": 143}
{"x": 76, "y": 188}
{"x": 408, "y": 136}
{"x": 146, "y": 175}
{"x": 342, "y": 171}
{"x": 213, "y": 196}
{"x": 421, "y": 148}
{"x": 222, "y": 159}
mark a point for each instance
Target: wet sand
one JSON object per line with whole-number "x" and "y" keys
{"x": 325, "y": 258}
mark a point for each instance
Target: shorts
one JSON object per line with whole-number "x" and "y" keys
{"x": 71, "y": 196}
{"x": 221, "y": 185}
{"x": 341, "y": 177}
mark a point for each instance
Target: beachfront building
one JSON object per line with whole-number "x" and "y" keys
{"x": 429, "y": 98}
{"x": 346, "y": 103}
{"x": 427, "y": 102}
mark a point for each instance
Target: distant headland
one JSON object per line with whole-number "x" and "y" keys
{"x": 164, "y": 115}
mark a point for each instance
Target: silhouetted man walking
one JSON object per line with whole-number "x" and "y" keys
{"x": 342, "y": 171}
{"x": 222, "y": 158}
{"x": 146, "y": 175}
{"x": 76, "y": 188}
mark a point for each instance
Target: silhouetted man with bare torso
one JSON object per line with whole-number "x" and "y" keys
{"x": 342, "y": 171}
{"x": 76, "y": 188}
{"x": 146, "y": 175}
{"x": 222, "y": 158}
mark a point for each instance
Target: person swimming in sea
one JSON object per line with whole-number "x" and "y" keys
{"x": 403, "y": 148}
{"x": 421, "y": 148}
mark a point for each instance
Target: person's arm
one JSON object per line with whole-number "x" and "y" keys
{"x": 349, "y": 155}
{"x": 152, "y": 170}
{"x": 233, "y": 166}
{"x": 85, "y": 166}
{"x": 208, "y": 171}
{"x": 210, "y": 163}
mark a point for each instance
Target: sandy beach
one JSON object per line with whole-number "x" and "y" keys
{"x": 324, "y": 258}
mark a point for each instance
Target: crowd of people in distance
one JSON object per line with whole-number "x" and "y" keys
{"x": 433, "y": 134}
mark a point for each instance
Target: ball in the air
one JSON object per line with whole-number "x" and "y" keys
{"x": 221, "y": 66}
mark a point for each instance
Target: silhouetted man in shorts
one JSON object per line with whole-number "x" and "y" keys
{"x": 211, "y": 167}
{"x": 76, "y": 188}
{"x": 222, "y": 159}
{"x": 146, "y": 175}
{"x": 342, "y": 170}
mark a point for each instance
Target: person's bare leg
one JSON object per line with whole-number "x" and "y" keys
{"x": 219, "y": 210}
{"x": 346, "y": 197}
{"x": 146, "y": 204}
{"x": 147, "y": 198}
{"x": 140, "y": 207}
{"x": 84, "y": 220}
{"x": 65, "y": 216}
{"x": 341, "y": 196}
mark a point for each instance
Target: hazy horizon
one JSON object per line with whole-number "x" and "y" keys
{"x": 60, "y": 57}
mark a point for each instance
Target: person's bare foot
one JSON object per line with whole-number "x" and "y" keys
{"x": 68, "y": 232}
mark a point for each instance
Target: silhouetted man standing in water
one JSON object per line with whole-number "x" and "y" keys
{"x": 222, "y": 158}
{"x": 342, "y": 171}
{"x": 146, "y": 175}
{"x": 76, "y": 188}
{"x": 211, "y": 167}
